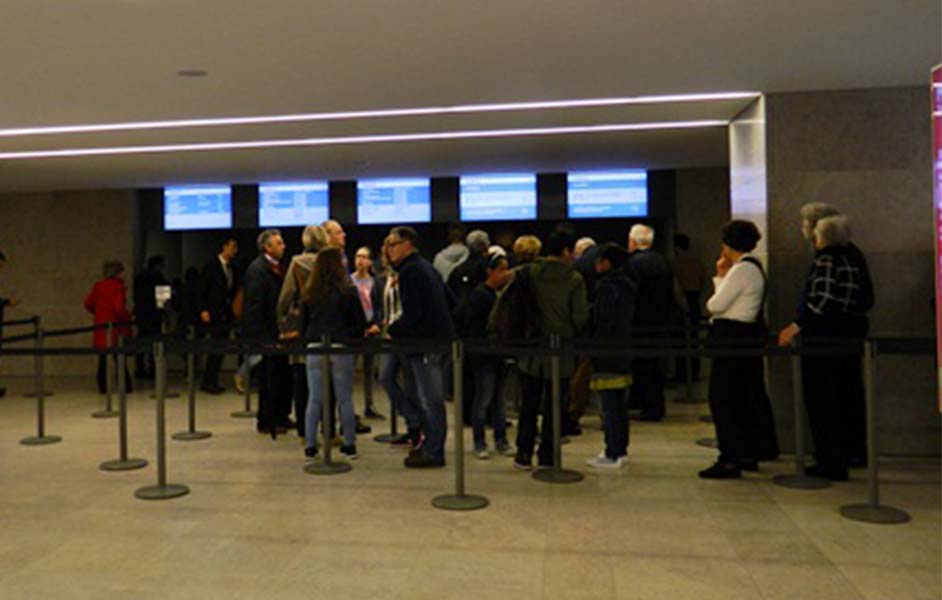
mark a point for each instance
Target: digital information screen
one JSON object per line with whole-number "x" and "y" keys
{"x": 607, "y": 194}
{"x": 497, "y": 197}
{"x": 292, "y": 204}
{"x": 936, "y": 91}
{"x": 197, "y": 207}
{"x": 393, "y": 201}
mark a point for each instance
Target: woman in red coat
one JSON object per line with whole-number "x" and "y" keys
{"x": 107, "y": 302}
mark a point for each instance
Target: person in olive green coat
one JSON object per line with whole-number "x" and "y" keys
{"x": 559, "y": 294}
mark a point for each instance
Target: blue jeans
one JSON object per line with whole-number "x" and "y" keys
{"x": 406, "y": 401}
{"x": 615, "y": 422}
{"x": 427, "y": 375}
{"x": 341, "y": 371}
{"x": 486, "y": 376}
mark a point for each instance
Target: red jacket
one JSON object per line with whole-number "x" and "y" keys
{"x": 107, "y": 302}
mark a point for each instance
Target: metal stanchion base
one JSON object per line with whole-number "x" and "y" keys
{"x": 707, "y": 418}
{"x": 41, "y": 440}
{"x": 882, "y": 515}
{"x": 334, "y": 468}
{"x": 462, "y": 502}
{"x": 384, "y": 438}
{"x": 708, "y": 442}
{"x": 189, "y": 436}
{"x": 557, "y": 476}
{"x": 33, "y": 394}
{"x": 162, "y": 492}
{"x": 105, "y": 414}
{"x": 801, "y": 482}
{"x": 123, "y": 465}
{"x": 244, "y": 414}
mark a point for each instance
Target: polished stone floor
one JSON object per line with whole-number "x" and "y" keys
{"x": 256, "y": 526}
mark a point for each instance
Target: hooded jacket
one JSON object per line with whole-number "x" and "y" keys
{"x": 612, "y": 314}
{"x": 449, "y": 258}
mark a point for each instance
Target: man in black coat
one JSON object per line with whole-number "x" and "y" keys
{"x": 146, "y": 314}
{"x": 652, "y": 273}
{"x": 263, "y": 280}
{"x": 218, "y": 285}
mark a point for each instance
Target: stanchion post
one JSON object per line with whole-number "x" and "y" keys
{"x": 872, "y": 511}
{"x": 327, "y": 467}
{"x": 108, "y": 412}
{"x": 689, "y": 333}
{"x": 38, "y": 359}
{"x": 123, "y": 463}
{"x": 459, "y": 500}
{"x": 163, "y": 490}
{"x": 556, "y": 474}
{"x": 40, "y": 439}
{"x": 247, "y": 412}
{"x": 385, "y": 438}
{"x": 191, "y": 433}
{"x": 800, "y": 480}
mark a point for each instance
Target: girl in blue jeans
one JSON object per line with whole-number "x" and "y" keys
{"x": 331, "y": 307}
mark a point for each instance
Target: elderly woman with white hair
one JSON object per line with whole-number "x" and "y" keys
{"x": 834, "y": 302}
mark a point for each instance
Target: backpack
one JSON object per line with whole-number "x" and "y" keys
{"x": 515, "y": 314}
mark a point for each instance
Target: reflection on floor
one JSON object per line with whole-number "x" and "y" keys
{"x": 256, "y": 526}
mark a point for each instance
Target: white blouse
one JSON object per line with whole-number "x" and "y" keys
{"x": 738, "y": 295}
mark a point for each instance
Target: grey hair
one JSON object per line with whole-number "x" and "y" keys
{"x": 813, "y": 212}
{"x": 313, "y": 238}
{"x": 833, "y": 231}
{"x": 642, "y": 235}
{"x": 583, "y": 244}
{"x": 264, "y": 236}
{"x": 478, "y": 241}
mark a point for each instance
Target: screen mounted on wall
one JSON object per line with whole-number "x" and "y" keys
{"x": 607, "y": 194}
{"x": 197, "y": 207}
{"x": 498, "y": 197}
{"x": 292, "y": 204}
{"x": 394, "y": 201}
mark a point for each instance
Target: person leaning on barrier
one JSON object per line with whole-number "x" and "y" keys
{"x": 425, "y": 316}
{"x": 218, "y": 285}
{"x": 330, "y": 306}
{"x": 834, "y": 305}
{"x": 612, "y": 314}
{"x": 108, "y": 303}
{"x": 4, "y": 303}
{"x": 739, "y": 404}
{"x": 370, "y": 289}
{"x": 288, "y": 312}
{"x": 559, "y": 296}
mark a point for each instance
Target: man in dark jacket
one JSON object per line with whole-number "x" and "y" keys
{"x": 146, "y": 314}
{"x": 263, "y": 280}
{"x": 218, "y": 284}
{"x": 425, "y": 315}
{"x": 612, "y": 314}
{"x": 652, "y": 274}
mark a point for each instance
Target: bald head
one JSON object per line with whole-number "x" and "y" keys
{"x": 336, "y": 236}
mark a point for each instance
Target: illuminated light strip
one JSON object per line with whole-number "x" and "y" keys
{"x": 360, "y": 139}
{"x": 371, "y": 114}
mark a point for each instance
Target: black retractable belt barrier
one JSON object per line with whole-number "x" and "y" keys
{"x": 108, "y": 411}
{"x": 872, "y": 511}
{"x": 327, "y": 467}
{"x": 459, "y": 500}
{"x": 122, "y": 463}
{"x": 40, "y": 439}
{"x": 191, "y": 433}
{"x": 556, "y": 473}
{"x": 39, "y": 380}
{"x": 15, "y": 322}
{"x": 163, "y": 490}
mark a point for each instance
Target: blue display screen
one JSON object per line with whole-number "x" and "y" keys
{"x": 500, "y": 197}
{"x": 607, "y": 194}
{"x": 292, "y": 204}
{"x": 197, "y": 207}
{"x": 393, "y": 201}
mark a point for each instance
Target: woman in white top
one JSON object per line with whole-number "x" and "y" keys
{"x": 739, "y": 404}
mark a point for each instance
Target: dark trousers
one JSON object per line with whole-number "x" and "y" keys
{"x": 742, "y": 412}
{"x": 300, "y": 394}
{"x": 103, "y": 375}
{"x": 578, "y": 392}
{"x": 647, "y": 391}
{"x": 144, "y": 363}
{"x": 536, "y": 399}
{"x": 214, "y": 361}
{"x": 833, "y": 389}
{"x": 615, "y": 422}
{"x": 274, "y": 391}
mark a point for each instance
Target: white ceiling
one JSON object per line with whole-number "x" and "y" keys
{"x": 99, "y": 61}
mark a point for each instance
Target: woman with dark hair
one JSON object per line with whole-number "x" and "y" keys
{"x": 370, "y": 289}
{"x": 738, "y": 401}
{"x": 107, "y": 301}
{"x": 331, "y": 307}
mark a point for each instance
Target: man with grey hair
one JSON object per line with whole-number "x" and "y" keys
{"x": 652, "y": 273}
{"x": 263, "y": 281}
{"x": 835, "y": 298}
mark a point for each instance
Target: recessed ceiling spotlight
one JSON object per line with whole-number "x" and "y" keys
{"x": 192, "y": 73}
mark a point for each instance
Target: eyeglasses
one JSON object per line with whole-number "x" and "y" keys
{"x": 396, "y": 243}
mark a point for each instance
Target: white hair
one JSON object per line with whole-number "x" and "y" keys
{"x": 583, "y": 244}
{"x": 813, "y": 212}
{"x": 642, "y": 235}
{"x": 832, "y": 231}
{"x": 478, "y": 241}
{"x": 498, "y": 250}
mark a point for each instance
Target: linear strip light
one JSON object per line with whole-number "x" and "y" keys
{"x": 370, "y": 114}
{"x": 361, "y": 139}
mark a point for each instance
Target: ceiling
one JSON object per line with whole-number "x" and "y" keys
{"x": 101, "y": 61}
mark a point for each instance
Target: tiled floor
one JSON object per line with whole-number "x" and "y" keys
{"x": 256, "y": 526}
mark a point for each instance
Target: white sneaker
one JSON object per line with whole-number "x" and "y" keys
{"x": 603, "y": 462}
{"x": 482, "y": 454}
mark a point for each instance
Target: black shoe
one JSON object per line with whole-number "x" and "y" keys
{"x": 423, "y": 461}
{"x": 832, "y": 473}
{"x": 403, "y": 439}
{"x": 270, "y": 430}
{"x": 721, "y": 471}
{"x": 648, "y": 418}
{"x": 215, "y": 390}
{"x": 3, "y": 392}
{"x": 287, "y": 424}
{"x": 361, "y": 427}
{"x": 350, "y": 452}
{"x": 310, "y": 452}
{"x": 372, "y": 414}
